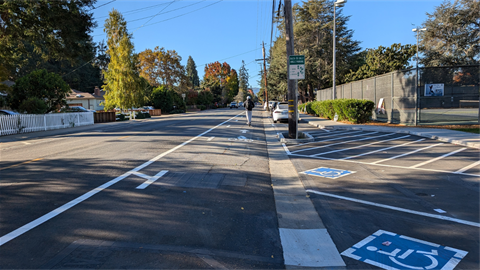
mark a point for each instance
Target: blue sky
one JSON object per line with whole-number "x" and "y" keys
{"x": 233, "y": 30}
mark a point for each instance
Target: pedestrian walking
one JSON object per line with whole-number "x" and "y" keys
{"x": 249, "y": 105}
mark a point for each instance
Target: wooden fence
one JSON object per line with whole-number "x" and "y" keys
{"x": 102, "y": 117}
{"x": 23, "y": 123}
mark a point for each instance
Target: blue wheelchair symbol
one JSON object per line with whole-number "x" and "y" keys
{"x": 328, "y": 172}
{"x": 392, "y": 251}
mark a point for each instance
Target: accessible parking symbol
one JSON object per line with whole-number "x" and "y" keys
{"x": 392, "y": 251}
{"x": 328, "y": 172}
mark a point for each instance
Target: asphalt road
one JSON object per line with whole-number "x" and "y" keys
{"x": 186, "y": 191}
{"x": 399, "y": 183}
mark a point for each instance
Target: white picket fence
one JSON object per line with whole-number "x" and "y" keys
{"x": 23, "y": 123}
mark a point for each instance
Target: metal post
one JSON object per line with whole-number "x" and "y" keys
{"x": 334, "y": 61}
{"x": 417, "y": 96}
{"x": 265, "y": 74}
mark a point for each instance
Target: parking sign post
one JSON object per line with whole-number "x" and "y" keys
{"x": 296, "y": 71}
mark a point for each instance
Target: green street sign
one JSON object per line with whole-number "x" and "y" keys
{"x": 296, "y": 67}
{"x": 296, "y": 60}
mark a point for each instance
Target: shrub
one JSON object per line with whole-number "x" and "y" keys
{"x": 177, "y": 111}
{"x": 120, "y": 117}
{"x": 202, "y": 107}
{"x": 354, "y": 110}
{"x": 33, "y": 105}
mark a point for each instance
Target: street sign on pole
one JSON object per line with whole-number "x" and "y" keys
{"x": 296, "y": 67}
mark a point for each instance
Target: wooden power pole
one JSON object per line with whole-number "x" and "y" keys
{"x": 265, "y": 74}
{"x": 292, "y": 93}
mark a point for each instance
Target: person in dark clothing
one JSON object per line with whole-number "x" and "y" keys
{"x": 249, "y": 105}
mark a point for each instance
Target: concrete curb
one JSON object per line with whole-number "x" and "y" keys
{"x": 421, "y": 134}
{"x": 305, "y": 240}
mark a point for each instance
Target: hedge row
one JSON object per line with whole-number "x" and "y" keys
{"x": 357, "y": 111}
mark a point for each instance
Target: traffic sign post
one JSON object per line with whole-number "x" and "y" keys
{"x": 296, "y": 71}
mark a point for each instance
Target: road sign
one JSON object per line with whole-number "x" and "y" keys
{"x": 296, "y": 67}
{"x": 393, "y": 251}
{"x": 328, "y": 172}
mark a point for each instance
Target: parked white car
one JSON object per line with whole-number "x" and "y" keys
{"x": 280, "y": 112}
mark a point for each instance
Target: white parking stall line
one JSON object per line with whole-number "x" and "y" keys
{"x": 468, "y": 167}
{"x": 228, "y": 126}
{"x": 286, "y": 149}
{"x": 325, "y": 136}
{"x": 312, "y": 148}
{"x": 211, "y": 138}
{"x": 338, "y": 138}
{"x": 46, "y": 217}
{"x": 461, "y": 221}
{"x": 406, "y": 154}
{"x": 383, "y": 149}
{"x": 387, "y": 165}
{"x": 349, "y": 148}
{"x": 438, "y": 158}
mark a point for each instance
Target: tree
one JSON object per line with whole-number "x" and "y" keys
{"x": 53, "y": 30}
{"x": 383, "y": 60}
{"x": 192, "y": 73}
{"x": 452, "y": 37}
{"x": 122, "y": 80}
{"x": 46, "y": 86}
{"x": 215, "y": 79}
{"x": 162, "y": 66}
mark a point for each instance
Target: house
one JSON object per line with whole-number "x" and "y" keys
{"x": 86, "y": 100}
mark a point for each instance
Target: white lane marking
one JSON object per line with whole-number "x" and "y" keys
{"x": 309, "y": 248}
{"x": 326, "y": 130}
{"x": 438, "y": 158}
{"x": 273, "y": 125}
{"x": 244, "y": 131}
{"x": 15, "y": 233}
{"x": 461, "y": 221}
{"x": 228, "y": 126}
{"x": 9, "y": 236}
{"x": 151, "y": 179}
{"x": 385, "y": 165}
{"x": 406, "y": 154}
{"x": 383, "y": 149}
{"x": 349, "y": 148}
{"x": 312, "y": 148}
{"x": 468, "y": 167}
{"x": 439, "y": 211}
{"x": 286, "y": 149}
{"x": 211, "y": 138}
{"x": 337, "y": 138}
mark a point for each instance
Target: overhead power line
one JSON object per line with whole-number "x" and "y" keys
{"x": 135, "y": 10}
{"x": 103, "y": 5}
{"x": 154, "y": 16}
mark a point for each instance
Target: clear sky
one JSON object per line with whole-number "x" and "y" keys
{"x": 233, "y": 30}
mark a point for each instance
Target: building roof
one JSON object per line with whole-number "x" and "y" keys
{"x": 79, "y": 95}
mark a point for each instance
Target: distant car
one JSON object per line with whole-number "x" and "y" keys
{"x": 78, "y": 109}
{"x": 233, "y": 105}
{"x": 7, "y": 112}
{"x": 240, "y": 104}
{"x": 280, "y": 111}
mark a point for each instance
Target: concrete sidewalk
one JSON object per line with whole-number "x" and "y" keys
{"x": 445, "y": 135}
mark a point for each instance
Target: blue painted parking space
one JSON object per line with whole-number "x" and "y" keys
{"x": 328, "y": 172}
{"x": 392, "y": 251}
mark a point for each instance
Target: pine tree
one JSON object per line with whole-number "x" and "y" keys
{"x": 122, "y": 80}
{"x": 192, "y": 73}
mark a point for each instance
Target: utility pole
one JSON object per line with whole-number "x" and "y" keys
{"x": 292, "y": 93}
{"x": 265, "y": 74}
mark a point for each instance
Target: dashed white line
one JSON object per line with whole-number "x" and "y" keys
{"x": 211, "y": 138}
{"x": 438, "y": 158}
{"x": 461, "y": 221}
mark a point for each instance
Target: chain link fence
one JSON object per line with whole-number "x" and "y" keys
{"x": 444, "y": 95}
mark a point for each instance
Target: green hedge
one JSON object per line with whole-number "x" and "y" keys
{"x": 357, "y": 111}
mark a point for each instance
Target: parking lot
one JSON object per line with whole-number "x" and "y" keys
{"x": 371, "y": 186}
